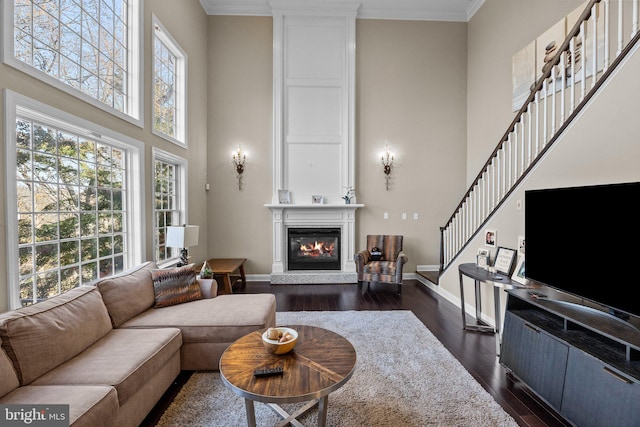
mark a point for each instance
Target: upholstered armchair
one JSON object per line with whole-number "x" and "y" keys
{"x": 386, "y": 269}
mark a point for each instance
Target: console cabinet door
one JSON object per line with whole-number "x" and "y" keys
{"x": 596, "y": 395}
{"x": 535, "y": 357}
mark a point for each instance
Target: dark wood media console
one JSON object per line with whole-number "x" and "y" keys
{"x": 582, "y": 361}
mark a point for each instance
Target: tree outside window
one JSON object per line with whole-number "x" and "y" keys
{"x": 169, "y": 86}
{"x": 169, "y": 201}
{"x": 71, "y": 193}
{"x": 88, "y": 46}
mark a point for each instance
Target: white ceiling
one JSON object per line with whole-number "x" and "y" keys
{"x": 424, "y": 10}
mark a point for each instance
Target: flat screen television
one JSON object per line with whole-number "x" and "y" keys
{"x": 586, "y": 241}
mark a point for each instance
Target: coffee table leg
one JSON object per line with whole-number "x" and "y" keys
{"x": 322, "y": 411}
{"x": 251, "y": 413}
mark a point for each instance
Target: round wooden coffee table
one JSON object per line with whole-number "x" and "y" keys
{"x": 322, "y": 362}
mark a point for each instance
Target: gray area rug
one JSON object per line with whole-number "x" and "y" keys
{"x": 404, "y": 377}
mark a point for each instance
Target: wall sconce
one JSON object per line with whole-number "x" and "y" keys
{"x": 239, "y": 158}
{"x": 182, "y": 237}
{"x": 387, "y": 164}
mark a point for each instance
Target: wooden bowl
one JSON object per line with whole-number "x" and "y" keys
{"x": 276, "y": 347}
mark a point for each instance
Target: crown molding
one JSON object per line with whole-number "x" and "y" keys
{"x": 414, "y": 10}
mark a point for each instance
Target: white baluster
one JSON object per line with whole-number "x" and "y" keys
{"x": 594, "y": 27}
{"x": 634, "y": 27}
{"x": 583, "y": 61}
{"x": 607, "y": 30}
{"x": 572, "y": 48}
{"x": 620, "y": 27}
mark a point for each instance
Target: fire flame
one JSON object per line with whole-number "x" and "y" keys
{"x": 317, "y": 249}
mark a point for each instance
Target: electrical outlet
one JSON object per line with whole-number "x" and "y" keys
{"x": 415, "y": 216}
{"x": 404, "y": 215}
{"x": 386, "y": 215}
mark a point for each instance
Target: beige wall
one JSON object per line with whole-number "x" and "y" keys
{"x": 192, "y": 38}
{"x": 410, "y": 91}
{"x": 240, "y": 113}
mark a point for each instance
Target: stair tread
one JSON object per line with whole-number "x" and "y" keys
{"x": 431, "y": 276}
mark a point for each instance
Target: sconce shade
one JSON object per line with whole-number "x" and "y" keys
{"x": 182, "y": 237}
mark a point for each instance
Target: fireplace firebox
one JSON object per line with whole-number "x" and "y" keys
{"x": 314, "y": 249}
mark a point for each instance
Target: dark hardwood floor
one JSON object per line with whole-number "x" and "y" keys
{"x": 474, "y": 350}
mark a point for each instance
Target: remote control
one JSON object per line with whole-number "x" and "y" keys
{"x": 268, "y": 372}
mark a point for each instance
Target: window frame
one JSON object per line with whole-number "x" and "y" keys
{"x": 19, "y": 105}
{"x": 135, "y": 98}
{"x": 161, "y": 33}
{"x": 181, "y": 196}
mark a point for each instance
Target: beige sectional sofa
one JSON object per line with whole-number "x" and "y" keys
{"x": 109, "y": 353}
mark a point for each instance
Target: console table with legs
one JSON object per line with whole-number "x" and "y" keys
{"x": 499, "y": 282}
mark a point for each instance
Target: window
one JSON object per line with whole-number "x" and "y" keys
{"x": 169, "y": 201}
{"x": 169, "y": 86}
{"x": 84, "y": 47}
{"x": 73, "y": 185}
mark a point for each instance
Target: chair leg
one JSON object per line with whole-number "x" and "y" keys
{"x": 399, "y": 288}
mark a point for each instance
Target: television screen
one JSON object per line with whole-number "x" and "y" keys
{"x": 584, "y": 241}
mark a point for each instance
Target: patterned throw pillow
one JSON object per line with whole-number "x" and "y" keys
{"x": 175, "y": 285}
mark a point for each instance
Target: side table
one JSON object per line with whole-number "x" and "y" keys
{"x": 498, "y": 281}
{"x": 225, "y": 267}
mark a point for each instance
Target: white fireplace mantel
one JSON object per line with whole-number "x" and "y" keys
{"x": 319, "y": 216}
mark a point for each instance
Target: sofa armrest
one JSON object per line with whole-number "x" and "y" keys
{"x": 402, "y": 259}
{"x": 400, "y": 262}
{"x": 361, "y": 259}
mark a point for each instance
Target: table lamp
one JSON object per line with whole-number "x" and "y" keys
{"x": 183, "y": 237}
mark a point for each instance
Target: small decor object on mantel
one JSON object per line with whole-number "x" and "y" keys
{"x": 284, "y": 197}
{"x": 350, "y": 194}
{"x": 317, "y": 200}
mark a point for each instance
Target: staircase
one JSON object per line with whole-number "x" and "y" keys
{"x": 605, "y": 33}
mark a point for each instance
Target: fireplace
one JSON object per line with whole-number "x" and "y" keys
{"x": 313, "y": 248}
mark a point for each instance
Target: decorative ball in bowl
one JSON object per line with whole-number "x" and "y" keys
{"x": 279, "y": 340}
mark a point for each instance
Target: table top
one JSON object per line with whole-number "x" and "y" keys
{"x": 322, "y": 362}
{"x": 497, "y": 279}
{"x": 225, "y": 265}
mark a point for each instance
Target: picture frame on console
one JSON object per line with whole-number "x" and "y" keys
{"x": 519, "y": 272}
{"x": 505, "y": 258}
{"x": 284, "y": 197}
{"x": 482, "y": 258}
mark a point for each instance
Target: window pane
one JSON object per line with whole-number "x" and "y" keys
{"x": 165, "y": 189}
{"x": 67, "y": 209}
{"x": 59, "y": 38}
{"x": 167, "y": 71}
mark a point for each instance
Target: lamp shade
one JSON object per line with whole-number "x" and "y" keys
{"x": 182, "y": 237}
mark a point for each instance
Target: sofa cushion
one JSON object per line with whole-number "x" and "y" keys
{"x": 223, "y": 319}
{"x": 8, "y": 377}
{"x": 90, "y": 406}
{"x": 125, "y": 359}
{"x": 42, "y": 336}
{"x": 128, "y": 293}
{"x": 175, "y": 286}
